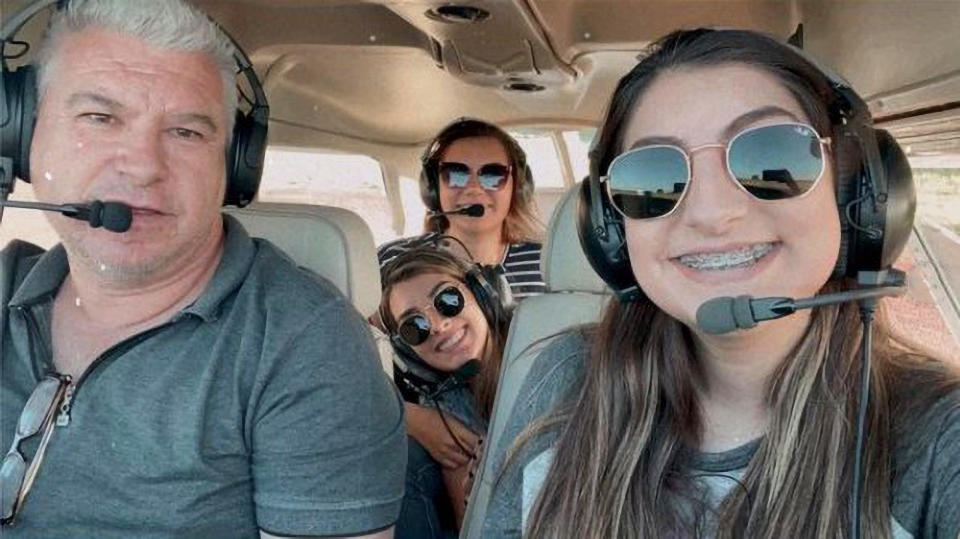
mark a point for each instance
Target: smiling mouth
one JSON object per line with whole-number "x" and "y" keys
{"x": 452, "y": 341}
{"x": 735, "y": 259}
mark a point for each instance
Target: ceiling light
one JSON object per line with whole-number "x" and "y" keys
{"x": 457, "y": 14}
{"x": 521, "y": 86}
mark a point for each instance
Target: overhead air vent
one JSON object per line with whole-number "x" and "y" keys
{"x": 457, "y": 14}
{"x": 521, "y": 86}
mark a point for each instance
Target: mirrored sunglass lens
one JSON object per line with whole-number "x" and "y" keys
{"x": 37, "y": 406}
{"x": 415, "y": 330}
{"x": 11, "y": 479}
{"x": 777, "y": 161}
{"x": 648, "y": 182}
{"x": 456, "y": 175}
{"x": 493, "y": 176}
{"x": 449, "y": 302}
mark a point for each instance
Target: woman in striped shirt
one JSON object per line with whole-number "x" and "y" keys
{"x": 472, "y": 162}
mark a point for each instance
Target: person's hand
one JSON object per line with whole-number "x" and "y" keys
{"x": 425, "y": 425}
{"x": 459, "y": 482}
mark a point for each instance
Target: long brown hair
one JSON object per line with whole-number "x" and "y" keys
{"x": 420, "y": 261}
{"x": 618, "y": 466}
{"x": 521, "y": 223}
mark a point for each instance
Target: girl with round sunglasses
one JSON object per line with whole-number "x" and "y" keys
{"x": 722, "y": 165}
{"x": 448, "y": 325}
{"x": 472, "y": 162}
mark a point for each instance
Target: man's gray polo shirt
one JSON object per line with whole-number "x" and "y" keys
{"x": 262, "y": 405}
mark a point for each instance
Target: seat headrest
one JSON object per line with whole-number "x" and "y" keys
{"x": 333, "y": 242}
{"x": 565, "y": 267}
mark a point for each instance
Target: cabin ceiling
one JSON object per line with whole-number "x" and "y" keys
{"x": 386, "y": 74}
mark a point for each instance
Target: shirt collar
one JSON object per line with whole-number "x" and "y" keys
{"x": 238, "y": 252}
{"x": 45, "y": 277}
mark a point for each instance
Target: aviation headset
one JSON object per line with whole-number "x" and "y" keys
{"x": 464, "y": 128}
{"x": 18, "y": 97}
{"x": 876, "y": 199}
{"x": 492, "y": 294}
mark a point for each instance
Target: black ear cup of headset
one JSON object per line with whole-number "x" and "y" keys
{"x": 18, "y": 89}
{"x": 875, "y": 196}
{"x": 245, "y": 156}
{"x": 412, "y": 372}
{"x": 492, "y": 292}
{"x": 430, "y": 163}
{"x": 604, "y": 242}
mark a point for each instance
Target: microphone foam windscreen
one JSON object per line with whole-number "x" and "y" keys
{"x": 116, "y": 217}
{"x": 716, "y": 316}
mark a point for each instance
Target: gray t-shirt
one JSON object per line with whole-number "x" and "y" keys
{"x": 926, "y": 490}
{"x": 260, "y": 406}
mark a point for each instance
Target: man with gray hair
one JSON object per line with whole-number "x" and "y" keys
{"x": 179, "y": 379}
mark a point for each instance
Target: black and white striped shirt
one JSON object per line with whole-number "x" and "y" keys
{"x": 521, "y": 265}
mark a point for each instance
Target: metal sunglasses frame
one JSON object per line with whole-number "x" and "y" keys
{"x": 422, "y": 312}
{"x": 46, "y": 428}
{"x": 687, "y": 156}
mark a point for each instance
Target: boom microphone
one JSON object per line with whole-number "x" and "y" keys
{"x": 726, "y": 314}
{"x": 473, "y": 210}
{"x": 113, "y": 216}
{"x": 468, "y": 369}
{"x": 458, "y": 378}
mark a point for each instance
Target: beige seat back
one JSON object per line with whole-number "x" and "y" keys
{"x": 576, "y": 296}
{"x": 333, "y": 242}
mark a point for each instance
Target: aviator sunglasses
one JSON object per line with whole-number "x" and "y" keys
{"x": 770, "y": 162}
{"x": 492, "y": 176}
{"x": 415, "y": 329}
{"x": 16, "y": 478}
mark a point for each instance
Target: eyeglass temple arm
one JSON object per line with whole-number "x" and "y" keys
{"x": 41, "y": 449}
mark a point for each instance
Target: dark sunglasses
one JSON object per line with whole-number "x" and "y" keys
{"x": 770, "y": 162}
{"x": 16, "y": 478}
{"x": 492, "y": 176}
{"x": 415, "y": 329}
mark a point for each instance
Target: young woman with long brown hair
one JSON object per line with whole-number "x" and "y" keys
{"x": 448, "y": 323}
{"x": 727, "y": 160}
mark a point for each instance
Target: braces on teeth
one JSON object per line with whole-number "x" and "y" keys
{"x": 729, "y": 260}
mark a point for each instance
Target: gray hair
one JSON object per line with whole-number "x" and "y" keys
{"x": 171, "y": 25}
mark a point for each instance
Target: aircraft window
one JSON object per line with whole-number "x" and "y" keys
{"x": 26, "y": 225}
{"x": 350, "y": 181}
{"x": 413, "y": 209}
{"x": 541, "y": 156}
{"x": 578, "y": 146}
{"x": 930, "y": 311}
